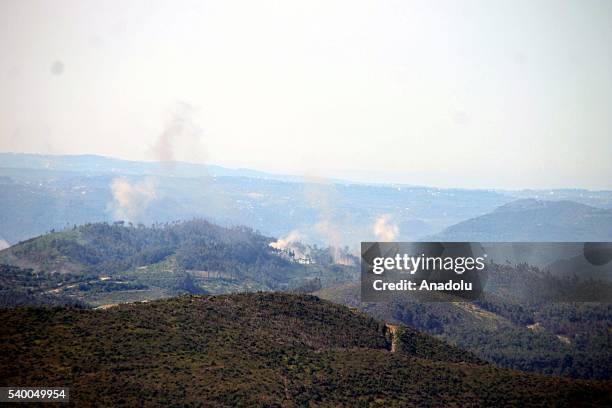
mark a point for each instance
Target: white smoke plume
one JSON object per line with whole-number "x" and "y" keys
{"x": 292, "y": 243}
{"x": 285, "y": 243}
{"x": 181, "y": 139}
{"x": 384, "y": 229}
{"x": 4, "y": 244}
{"x": 130, "y": 199}
{"x": 321, "y": 194}
{"x": 330, "y": 231}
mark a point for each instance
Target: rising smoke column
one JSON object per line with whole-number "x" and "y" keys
{"x": 181, "y": 139}
{"x": 184, "y": 139}
{"x": 384, "y": 229}
{"x": 292, "y": 243}
{"x": 285, "y": 243}
{"x": 321, "y": 194}
{"x": 4, "y": 244}
{"x": 131, "y": 199}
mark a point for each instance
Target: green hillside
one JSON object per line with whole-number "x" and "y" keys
{"x": 257, "y": 349}
{"x": 530, "y": 220}
{"x": 521, "y": 330}
{"x": 110, "y": 263}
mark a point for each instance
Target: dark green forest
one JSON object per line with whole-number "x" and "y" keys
{"x": 517, "y": 323}
{"x": 118, "y": 262}
{"x": 260, "y": 349}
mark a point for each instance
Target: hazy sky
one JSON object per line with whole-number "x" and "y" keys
{"x": 505, "y": 94}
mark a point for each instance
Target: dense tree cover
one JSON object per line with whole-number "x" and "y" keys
{"x": 109, "y": 248}
{"x": 516, "y": 324}
{"x": 308, "y": 286}
{"x": 415, "y": 343}
{"x": 257, "y": 350}
{"x": 26, "y": 278}
{"x": 19, "y": 298}
{"x": 25, "y": 287}
{"x": 531, "y": 285}
{"x": 109, "y": 286}
{"x": 516, "y": 312}
{"x": 172, "y": 258}
{"x": 530, "y": 220}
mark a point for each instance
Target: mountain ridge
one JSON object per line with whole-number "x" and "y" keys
{"x": 104, "y": 262}
{"x": 262, "y": 349}
{"x": 42, "y": 193}
{"x": 531, "y": 220}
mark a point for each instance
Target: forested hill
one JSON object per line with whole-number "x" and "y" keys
{"x": 264, "y": 349}
{"x": 145, "y": 262}
{"x": 530, "y": 220}
{"x": 108, "y": 248}
{"x": 519, "y": 326}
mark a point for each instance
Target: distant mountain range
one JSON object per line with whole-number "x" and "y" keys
{"x": 530, "y": 220}
{"x": 96, "y": 165}
{"x": 39, "y": 193}
{"x": 89, "y": 258}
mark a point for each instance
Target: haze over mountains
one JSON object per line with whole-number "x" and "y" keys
{"x": 169, "y": 283}
{"x": 40, "y": 193}
{"x": 282, "y": 346}
{"x": 530, "y": 220}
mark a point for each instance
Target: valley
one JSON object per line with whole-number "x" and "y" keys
{"x": 247, "y": 316}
